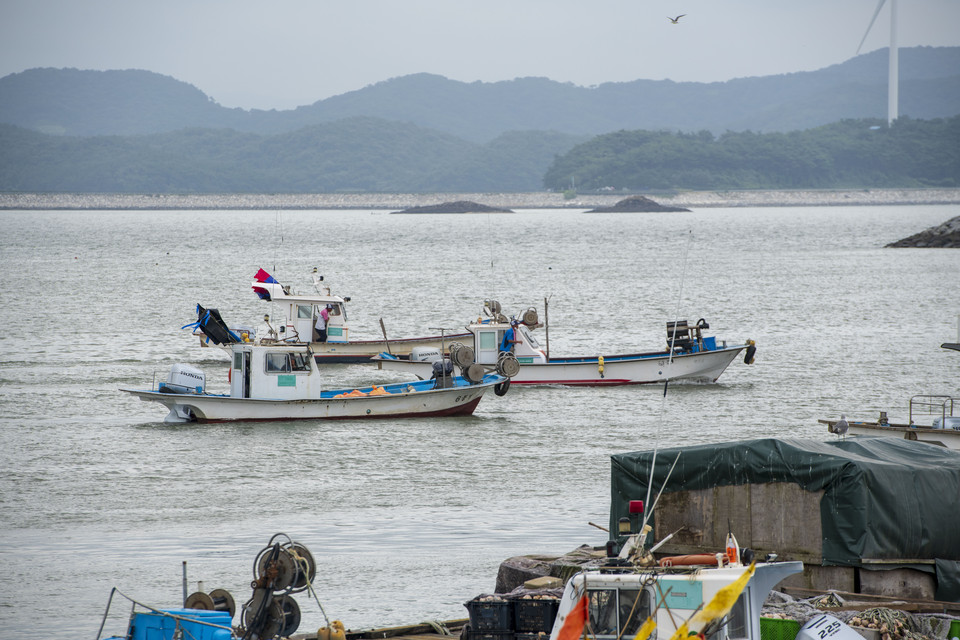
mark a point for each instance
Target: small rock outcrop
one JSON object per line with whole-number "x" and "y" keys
{"x": 460, "y": 206}
{"x": 946, "y": 235}
{"x": 636, "y": 204}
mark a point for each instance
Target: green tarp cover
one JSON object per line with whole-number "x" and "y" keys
{"x": 884, "y": 498}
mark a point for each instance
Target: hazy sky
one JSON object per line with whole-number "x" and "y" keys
{"x": 285, "y": 53}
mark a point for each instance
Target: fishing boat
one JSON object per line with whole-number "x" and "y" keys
{"x": 941, "y": 427}
{"x": 707, "y": 598}
{"x": 689, "y": 355}
{"x": 295, "y": 320}
{"x": 281, "y": 569}
{"x": 284, "y": 382}
{"x": 930, "y": 418}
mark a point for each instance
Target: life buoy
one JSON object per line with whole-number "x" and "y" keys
{"x": 693, "y": 560}
{"x": 501, "y": 388}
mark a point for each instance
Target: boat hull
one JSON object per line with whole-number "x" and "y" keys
{"x": 949, "y": 438}
{"x": 360, "y": 351}
{"x": 400, "y": 403}
{"x": 644, "y": 368}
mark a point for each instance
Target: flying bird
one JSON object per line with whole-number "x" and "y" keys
{"x": 677, "y": 19}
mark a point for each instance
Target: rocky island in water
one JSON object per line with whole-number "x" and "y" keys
{"x": 946, "y": 235}
{"x": 636, "y": 204}
{"x": 460, "y": 206}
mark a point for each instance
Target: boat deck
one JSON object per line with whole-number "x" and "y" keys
{"x": 439, "y": 630}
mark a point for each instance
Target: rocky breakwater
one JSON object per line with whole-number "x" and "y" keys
{"x": 946, "y": 235}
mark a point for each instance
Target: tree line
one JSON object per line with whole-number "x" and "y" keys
{"x": 845, "y": 154}
{"x": 374, "y": 155}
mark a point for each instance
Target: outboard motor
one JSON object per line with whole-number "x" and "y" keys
{"x": 424, "y": 354}
{"x": 442, "y": 374}
{"x": 184, "y": 379}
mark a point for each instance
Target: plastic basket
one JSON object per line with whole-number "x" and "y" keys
{"x": 535, "y": 616}
{"x": 778, "y": 629}
{"x": 490, "y": 615}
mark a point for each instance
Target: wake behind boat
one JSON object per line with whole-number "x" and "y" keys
{"x": 690, "y": 355}
{"x": 283, "y": 382}
{"x": 299, "y": 314}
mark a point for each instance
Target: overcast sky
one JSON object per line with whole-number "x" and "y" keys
{"x": 281, "y": 54}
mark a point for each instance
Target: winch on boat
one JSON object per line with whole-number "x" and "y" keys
{"x": 282, "y": 568}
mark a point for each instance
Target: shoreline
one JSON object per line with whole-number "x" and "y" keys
{"x": 535, "y": 200}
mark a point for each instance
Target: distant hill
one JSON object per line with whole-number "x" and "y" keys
{"x": 350, "y": 155}
{"x": 131, "y": 102}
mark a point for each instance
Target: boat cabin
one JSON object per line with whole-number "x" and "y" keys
{"x": 620, "y": 602}
{"x": 489, "y": 342}
{"x": 276, "y": 372}
{"x": 300, "y": 313}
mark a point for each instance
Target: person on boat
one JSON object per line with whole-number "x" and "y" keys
{"x": 509, "y": 338}
{"x": 321, "y": 325}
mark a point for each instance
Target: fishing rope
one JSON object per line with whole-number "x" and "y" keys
{"x": 663, "y": 402}
{"x": 301, "y": 561}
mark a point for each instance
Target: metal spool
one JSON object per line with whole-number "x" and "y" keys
{"x": 491, "y": 307}
{"x": 199, "y": 600}
{"x": 307, "y": 566}
{"x": 461, "y": 355}
{"x": 508, "y": 365}
{"x": 284, "y": 565}
{"x": 473, "y": 373}
{"x": 270, "y": 625}
{"x": 223, "y": 601}
{"x": 290, "y": 611}
{"x": 530, "y": 317}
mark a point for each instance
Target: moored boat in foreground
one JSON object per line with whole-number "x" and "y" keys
{"x": 690, "y": 355}
{"x": 283, "y": 382}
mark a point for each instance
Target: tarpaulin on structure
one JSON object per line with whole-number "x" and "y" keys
{"x": 884, "y": 498}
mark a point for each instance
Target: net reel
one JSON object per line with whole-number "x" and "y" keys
{"x": 281, "y": 568}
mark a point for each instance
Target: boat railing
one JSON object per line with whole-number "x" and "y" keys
{"x": 927, "y": 405}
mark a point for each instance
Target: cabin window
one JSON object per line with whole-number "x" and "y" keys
{"x": 287, "y": 362}
{"x": 488, "y": 339}
{"x": 618, "y": 613}
{"x": 238, "y": 360}
{"x": 304, "y": 311}
{"x": 334, "y": 309}
{"x": 737, "y": 619}
{"x": 528, "y": 337}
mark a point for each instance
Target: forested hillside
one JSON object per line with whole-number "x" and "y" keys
{"x": 847, "y": 154}
{"x": 352, "y": 155}
{"x": 86, "y": 103}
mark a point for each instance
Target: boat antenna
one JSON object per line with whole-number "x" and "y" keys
{"x": 278, "y": 229}
{"x": 673, "y": 336}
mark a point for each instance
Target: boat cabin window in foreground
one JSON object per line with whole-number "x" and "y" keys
{"x": 617, "y": 614}
{"x": 287, "y": 362}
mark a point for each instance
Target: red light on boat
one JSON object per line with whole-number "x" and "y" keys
{"x": 636, "y": 506}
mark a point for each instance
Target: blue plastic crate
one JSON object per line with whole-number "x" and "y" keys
{"x": 150, "y": 625}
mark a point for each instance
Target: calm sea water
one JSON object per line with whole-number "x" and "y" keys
{"x": 410, "y": 519}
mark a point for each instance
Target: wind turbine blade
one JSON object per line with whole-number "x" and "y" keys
{"x": 870, "y": 26}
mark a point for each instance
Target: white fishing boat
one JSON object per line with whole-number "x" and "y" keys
{"x": 689, "y": 355}
{"x": 284, "y": 382}
{"x": 708, "y": 599}
{"x": 939, "y": 426}
{"x": 295, "y": 320}
{"x": 930, "y": 418}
